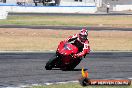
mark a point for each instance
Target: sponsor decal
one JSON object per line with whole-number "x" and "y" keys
{"x": 86, "y": 81}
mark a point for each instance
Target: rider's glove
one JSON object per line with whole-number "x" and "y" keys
{"x": 75, "y": 55}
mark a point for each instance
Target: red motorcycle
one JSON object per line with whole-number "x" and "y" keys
{"x": 64, "y": 57}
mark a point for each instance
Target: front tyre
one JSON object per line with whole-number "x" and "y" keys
{"x": 51, "y": 63}
{"x": 48, "y": 66}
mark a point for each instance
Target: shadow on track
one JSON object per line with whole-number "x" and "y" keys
{"x": 69, "y": 70}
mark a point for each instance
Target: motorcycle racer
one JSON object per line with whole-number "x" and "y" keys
{"x": 70, "y": 52}
{"x": 81, "y": 41}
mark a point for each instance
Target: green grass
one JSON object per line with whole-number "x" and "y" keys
{"x": 76, "y": 85}
{"x": 69, "y": 20}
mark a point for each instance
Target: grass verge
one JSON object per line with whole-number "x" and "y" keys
{"x": 76, "y": 85}
{"x": 116, "y": 21}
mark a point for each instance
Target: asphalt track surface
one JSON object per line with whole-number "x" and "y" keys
{"x": 28, "y": 68}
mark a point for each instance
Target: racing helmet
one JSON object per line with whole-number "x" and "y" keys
{"x": 83, "y": 34}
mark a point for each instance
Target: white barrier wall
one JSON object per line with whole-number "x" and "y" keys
{"x": 56, "y": 9}
{"x": 122, "y": 7}
{"x": 3, "y": 13}
{"x": 73, "y": 3}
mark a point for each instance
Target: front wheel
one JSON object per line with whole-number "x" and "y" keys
{"x": 51, "y": 63}
{"x": 48, "y": 66}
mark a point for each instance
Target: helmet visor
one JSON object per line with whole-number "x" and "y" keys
{"x": 83, "y": 37}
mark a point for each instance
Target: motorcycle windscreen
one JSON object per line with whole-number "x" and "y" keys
{"x": 68, "y": 49}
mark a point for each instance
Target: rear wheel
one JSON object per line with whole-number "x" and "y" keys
{"x": 76, "y": 62}
{"x": 67, "y": 69}
{"x": 72, "y": 65}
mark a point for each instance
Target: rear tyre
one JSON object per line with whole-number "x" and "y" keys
{"x": 75, "y": 63}
{"x": 72, "y": 65}
{"x": 65, "y": 68}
